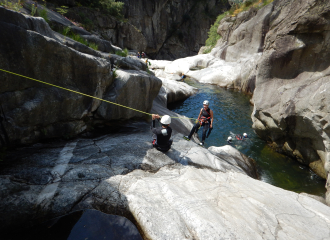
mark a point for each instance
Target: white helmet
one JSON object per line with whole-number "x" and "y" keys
{"x": 245, "y": 135}
{"x": 206, "y": 103}
{"x": 229, "y": 138}
{"x": 166, "y": 119}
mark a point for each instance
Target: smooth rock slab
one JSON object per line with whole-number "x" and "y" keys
{"x": 183, "y": 202}
{"x": 177, "y": 91}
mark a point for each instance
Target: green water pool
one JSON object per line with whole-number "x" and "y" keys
{"x": 232, "y": 115}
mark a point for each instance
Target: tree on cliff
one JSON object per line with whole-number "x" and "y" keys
{"x": 113, "y": 7}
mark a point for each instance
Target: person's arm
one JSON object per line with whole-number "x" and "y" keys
{"x": 153, "y": 126}
{"x": 211, "y": 113}
{"x": 200, "y": 113}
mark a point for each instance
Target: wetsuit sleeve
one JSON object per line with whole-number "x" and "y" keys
{"x": 153, "y": 127}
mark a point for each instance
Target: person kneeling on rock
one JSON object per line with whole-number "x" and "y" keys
{"x": 162, "y": 141}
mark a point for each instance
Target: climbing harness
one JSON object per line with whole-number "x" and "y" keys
{"x": 239, "y": 137}
{"x": 204, "y": 119}
{"x": 53, "y": 85}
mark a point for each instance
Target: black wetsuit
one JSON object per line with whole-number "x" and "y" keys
{"x": 206, "y": 116}
{"x": 162, "y": 142}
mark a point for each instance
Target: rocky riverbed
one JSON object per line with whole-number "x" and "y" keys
{"x": 187, "y": 193}
{"x": 279, "y": 56}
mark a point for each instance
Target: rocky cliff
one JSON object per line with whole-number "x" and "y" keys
{"x": 290, "y": 99}
{"x": 280, "y": 54}
{"x": 188, "y": 193}
{"x": 33, "y": 111}
{"x": 173, "y": 29}
{"x": 166, "y": 29}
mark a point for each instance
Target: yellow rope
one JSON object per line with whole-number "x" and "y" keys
{"x": 84, "y": 94}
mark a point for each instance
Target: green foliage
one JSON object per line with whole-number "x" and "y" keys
{"x": 44, "y": 131}
{"x": 207, "y": 49}
{"x": 85, "y": 21}
{"x": 235, "y": 2}
{"x": 94, "y": 46}
{"x": 238, "y": 6}
{"x": 265, "y": 2}
{"x": 15, "y": 6}
{"x": 123, "y": 53}
{"x": 43, "y": 13}
{"x": 68, "y": 33}
{"x": 248, "y": 3}
{"x": 114, "y": 73}
{"x": 62, "y": 10}
{"x": 78, "y": 38}
{"x": 33, "y": 9}
{"x": 112, "y": 7}
{"x": 213, "y": 36}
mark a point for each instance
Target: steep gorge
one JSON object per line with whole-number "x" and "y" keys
{"x": 189, "y": 192}
{"x": 280, "y": 54}
{"x": 166, "y": 29}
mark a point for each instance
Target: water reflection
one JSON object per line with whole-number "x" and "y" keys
{"x": 84, "y": 225}
{"x": 232, "y": 113}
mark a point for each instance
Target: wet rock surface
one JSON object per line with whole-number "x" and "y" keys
{"x": 86, "y": 224}
{"x": 187, "y": 192}
{"x": 290, "y": 100}
{"x": 279, "y": 56}
{"x": 33, "y": 111}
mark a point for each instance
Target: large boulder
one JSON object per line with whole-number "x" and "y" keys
{"x": 281, "y": 57}
{"x": 34, "y": 110}
{"x": 184, "y": 202}
{"x": 177, "y": 91}
{"x": 134, "y": 89}
{"x": 290, "y": 100}
{"x": 119, "y": 33}
{"x": 232, "y": 63}
{"x": 186, "y": 193}
{"x": 210, "y": 69}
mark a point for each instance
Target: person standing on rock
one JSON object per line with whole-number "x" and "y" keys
{"x": 205, "y": 119}
{"x": 162, "y": 141}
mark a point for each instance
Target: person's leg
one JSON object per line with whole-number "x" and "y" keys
{"x": 205, "y": 129}
{"x": 209, "y": 132}
{"x": 193, "y": 130}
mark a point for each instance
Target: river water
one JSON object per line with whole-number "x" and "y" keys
{"x": 232, "y": 115}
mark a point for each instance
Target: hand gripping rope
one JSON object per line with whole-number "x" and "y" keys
{"x": 85, "y": 94}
